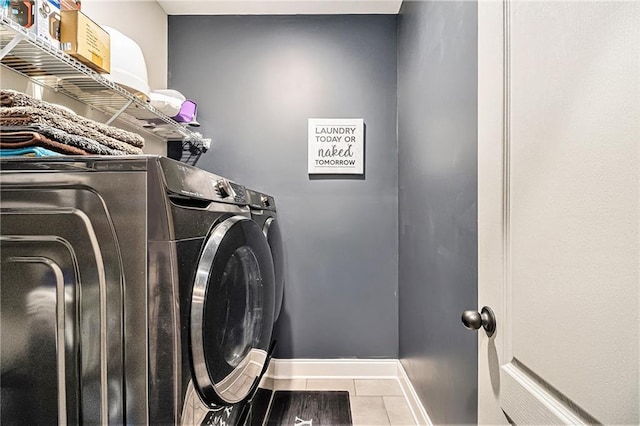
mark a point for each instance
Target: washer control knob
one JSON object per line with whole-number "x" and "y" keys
{"x": 225, "y": 189}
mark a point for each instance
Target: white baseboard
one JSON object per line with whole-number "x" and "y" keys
{"x": 283, "y": 369}
{"x": 288, "y": 369}
{"x": 417, "y": 409}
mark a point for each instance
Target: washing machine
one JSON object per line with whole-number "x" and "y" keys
{"x": 135, "y": 290}
{"x": 263, "y": 212}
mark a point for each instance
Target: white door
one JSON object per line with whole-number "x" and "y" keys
{"x": 558, "y": 211}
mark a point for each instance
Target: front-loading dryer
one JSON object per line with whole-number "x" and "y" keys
{"x": 136, "y": 290}
{"x": 263, "y": 212}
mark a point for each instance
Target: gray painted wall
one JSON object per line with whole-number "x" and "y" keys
{"x": 437, "y": 126}
{"x": 257, "y": 79}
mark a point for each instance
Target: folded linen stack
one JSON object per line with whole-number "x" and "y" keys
{"x": 88, "y": 146}
{"x": 18, "y": 139}
{"x": 29, "y": 122}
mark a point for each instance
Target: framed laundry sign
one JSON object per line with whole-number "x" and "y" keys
{"x": 336, "y": 146}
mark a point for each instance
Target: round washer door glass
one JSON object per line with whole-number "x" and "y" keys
{"x": 232, "y": 311}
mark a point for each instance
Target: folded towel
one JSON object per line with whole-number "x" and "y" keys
{"x": 33, "y": 151}
{"x": 23, "y": 139}
{"x": 57, "y": 135}
{"x": 165, "y": 104}
{"x": 16, "y": 116}
{"x": 11, "y": 98}
{"x": 171, "y": 93}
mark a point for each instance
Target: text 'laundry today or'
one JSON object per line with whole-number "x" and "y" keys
{"x": 335, "y": 134}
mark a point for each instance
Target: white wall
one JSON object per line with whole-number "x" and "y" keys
{"x": 145, "y": 22}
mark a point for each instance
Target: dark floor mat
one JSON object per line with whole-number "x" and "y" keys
{"x": 259, "y": 407}
{"x": 310, "y": 408}
{"x": 228, "y": 416}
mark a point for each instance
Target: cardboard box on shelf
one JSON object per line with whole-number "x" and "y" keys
{"x": 85, "y": 40}
{"x": 70, "y": 5}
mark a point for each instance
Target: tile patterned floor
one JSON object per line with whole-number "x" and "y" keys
{"x": 373, "y": 402}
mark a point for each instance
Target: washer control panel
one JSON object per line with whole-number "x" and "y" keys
{"x": 188, "y": 181}
{"x": 228, "y": 190}
{"x": 260, "y": 201}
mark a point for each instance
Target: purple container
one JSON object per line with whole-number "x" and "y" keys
{"x": 187, "y": 114}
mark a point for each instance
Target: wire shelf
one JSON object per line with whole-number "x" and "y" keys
{"x": 49, "y": 66}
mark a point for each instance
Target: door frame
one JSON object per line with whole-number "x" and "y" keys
{"x": 493, "y": 200}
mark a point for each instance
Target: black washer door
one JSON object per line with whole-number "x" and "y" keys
{"x": 231, "y": 311}
{"x": 271, "y": 230}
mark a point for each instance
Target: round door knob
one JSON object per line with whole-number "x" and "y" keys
{"x": 473, "y": 320}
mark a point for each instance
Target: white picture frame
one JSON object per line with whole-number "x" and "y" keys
{"x": 336, "y": 146}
